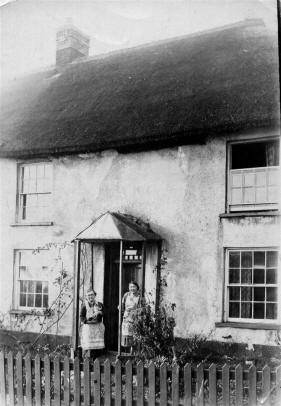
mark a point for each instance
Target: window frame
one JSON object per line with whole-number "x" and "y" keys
{"x": 253, "y": 321}
{"x": 16, "y": 284}
{"x": 254, "y": 207}
{"x": 18, "y": 215}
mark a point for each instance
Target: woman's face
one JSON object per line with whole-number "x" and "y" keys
{"x": 91, "y": 297}
{"x": 132, "y": 288}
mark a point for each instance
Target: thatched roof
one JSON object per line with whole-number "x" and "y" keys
{"x": 171, "y": 92}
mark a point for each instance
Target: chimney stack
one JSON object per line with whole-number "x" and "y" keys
{"x": 71, "y": 44}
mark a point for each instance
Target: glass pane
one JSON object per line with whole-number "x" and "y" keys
{"x": 22, "y": 299}
{"x": 260, "y": 178}
{"x": 258, "y": 275}
{"x": 249, "y": 179}
{"x": 258, "y": 311}
{"x": 234, "y": 309}
{"x": 246, "y": 259}
{"x": 23, "y": 286}
{"x": 261, "y": 195}
{"x": 249, "y": 195}
{"x": 30, "y": 300}
{"x": 45, "y": 300}
{"x": 259, "y": 258}
{"x": 45, "y": 287}
{"x": 234, "y": 293}
{"x": 38, "y": 287}
{"x": 30, "y": 286}
{"x": 237, "y": 180}
{"x": 246, "y": 310}
{"x": 271, "y": 311}
{"x": 273, "y": 177}
{"x": 271, "y": 259}
{"x": 236, "y": 196}
{"x": 246, "y": 293}
{"x": 38, "y": 300}
{"x": 271, "y": 294}
{"x": 234, "y": 259}
{"x": 246, "y": 276}
{"x": 259, "y": 294}
{"x": 271, "y": 276}
{"x": 234, "y": 275}
{"x": 273, "y": 194}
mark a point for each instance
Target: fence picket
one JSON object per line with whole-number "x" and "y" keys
{"x": 19, "y": 378}
{"x": 252, "y": 386}
{"x": 47, "y": 374}
{"x": 11, "y": 383}
{"x": 87, "y": 379}
{"x": 66, "y": 382}
{"x": 151, "y": 384}
{"x": 212, "y": 385}
{"x": 118, "y": 384}
{"x": 28, "y": 379}
{"x": 2, "y": 379}
{"x": 129, "y": 383}
{"x": 77, "y": 382}
{"x": 175, "y": 385}
{"x": 278, "y": 386}
{"x": 140, "y": 384}
{"x": 200, "y": 385}
{"x": 238, "y": 385}
{"x": 57, "y": 381}
{"x": 163, "y": 384}
{"x": 107, "y": 382}
{"x": 187, "y": 385}
{"x": 37, "y": 374}
{"x": 265, "y": 397}
{"x": 225, "y": 385}
{"x": 97, "y": 383}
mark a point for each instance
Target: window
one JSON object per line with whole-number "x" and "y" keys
{"x": 252, "y": 285}
{"x": 31, "y": 278}
{"x": 254, "y": 175}
{"x": 35, "y": 182}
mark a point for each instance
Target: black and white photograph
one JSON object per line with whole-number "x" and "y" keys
{"x": 140, "y": 203}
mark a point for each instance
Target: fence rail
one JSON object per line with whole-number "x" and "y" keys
{"x": 56, "y": 381}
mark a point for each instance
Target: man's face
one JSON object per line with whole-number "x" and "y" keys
{"x": 91, "y": 297}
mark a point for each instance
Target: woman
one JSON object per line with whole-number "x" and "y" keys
{"x": 131, "y": 302}
{"x": 92, "y": 335}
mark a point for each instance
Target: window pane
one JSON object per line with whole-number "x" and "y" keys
{"x": 271, "y": 294}
{"x": 22, "y": 299}
{"x": 249, "y": 179}
{"x": 45, "y": 287}
{"x": 234, "y": 275}
{"x": 234, "y": 309}
{"x": 259, "y": 294}
{"x": 234, "y": 293}
{"x": 246, "y": 310}
{"x": 30, "y": 300}
{"x": 258, "y": 275}
{"x": 271, "y": 276}
{"x": 246, "y": 259}
{"x": 38, "y": 300}
{"x": 246, "y": 276}
{"x": 271, "y": 259}
{"x": 273, "y": 177}
{"x": 38, "y": 287}
{"x": 261, "y": 195}
{"x": 259, "y": 258}
{"x": 45, "y": 300}
{"x": 234, "y": 259}
{"x": 246, "y": 293}
{"x": 236, "y": 196}
{"x": 237, "y": 179}
{"x": 271, "y": 311}
{"x": 258, "y": 311}
{"x": 249, "y": 195}
{"x": 273, "y": 194}
{"x": 261, "y": 178}
{"x": 23, "y": 286}
{"x": 30, "y": 286}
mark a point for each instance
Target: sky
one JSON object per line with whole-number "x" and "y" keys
{"x": 28, "y": 28}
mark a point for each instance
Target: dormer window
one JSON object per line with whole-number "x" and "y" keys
{"x": 253, "y": 175}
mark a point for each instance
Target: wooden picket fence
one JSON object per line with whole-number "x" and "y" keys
{"x": 53, "y": 381}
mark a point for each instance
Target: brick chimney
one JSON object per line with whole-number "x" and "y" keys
{"x": 71, "y": 44}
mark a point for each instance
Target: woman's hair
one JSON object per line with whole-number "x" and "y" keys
{"x": 91, "y": 291}
{"x": 135, "y": 283}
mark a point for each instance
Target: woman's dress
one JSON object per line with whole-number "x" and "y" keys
{"x": 130, "y": 304}
{"x": 92, "y": 334}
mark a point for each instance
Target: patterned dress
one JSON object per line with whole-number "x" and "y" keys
{"x": 92, "y": 335}
{"x": 130, "y": 304}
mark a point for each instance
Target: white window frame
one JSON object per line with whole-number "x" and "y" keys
{"x": 227, "y": 285}
{"x": 21, "y": 193}
{"x": 255, "y": 172}
{"x": 17, "y": 280}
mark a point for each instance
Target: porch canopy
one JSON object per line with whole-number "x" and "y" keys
{"x": 113, "y": 226}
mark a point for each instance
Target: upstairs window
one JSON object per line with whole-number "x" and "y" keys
{"x": 35, "y": 185}
{"x": 254, "y": 175}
